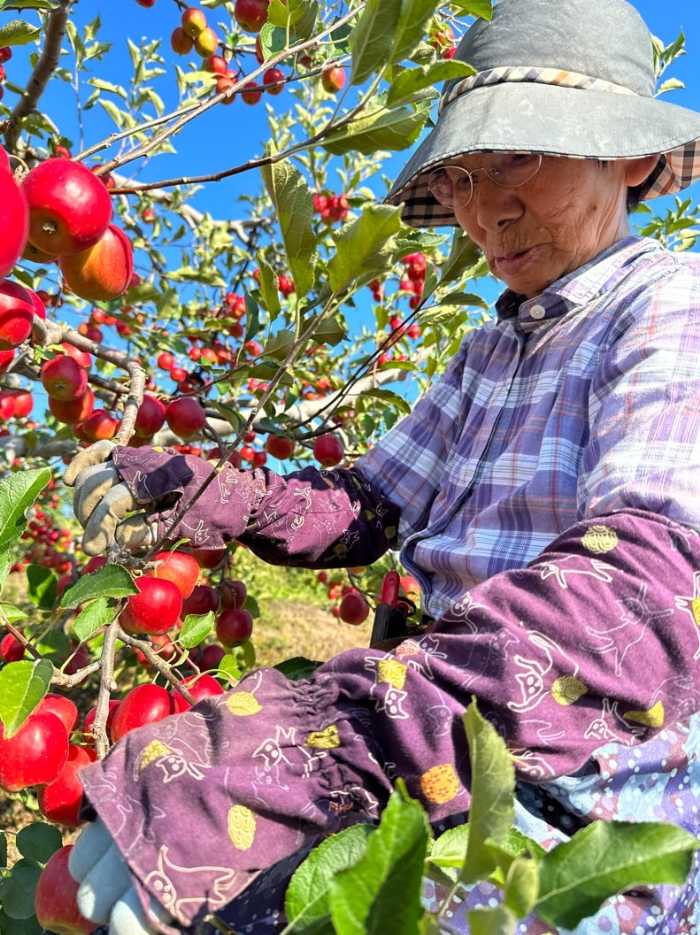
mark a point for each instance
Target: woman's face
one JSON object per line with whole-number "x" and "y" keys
{"x": 567, "y": 214}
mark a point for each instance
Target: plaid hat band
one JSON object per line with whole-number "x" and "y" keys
{"x": 557, "y": 76}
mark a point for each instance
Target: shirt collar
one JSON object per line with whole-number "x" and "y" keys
{"x": 599, "y": 275}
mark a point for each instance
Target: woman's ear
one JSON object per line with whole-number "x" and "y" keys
{"x": 638, "y": 170}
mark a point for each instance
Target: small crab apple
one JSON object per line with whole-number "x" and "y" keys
{"x": 103, "y": 271}
{"x": 206, "y": 42}
{"x": 251, "y": 14}
{"x": 63, "y": 378}
{"x": 333, "y": 79}
{"x": 35, "y": 754}
{"x": 201, "y": 601}
{"x": 193, "y": 21}
{"x": 69, "y": 207}
{"x": 73, "y": 411}
{"x": 181, "y": 568}
{"x": 144, "y": 704}
{"x": 16, "y": 314}
{"x": 11, "y": 650}
{"x": 89, "y": 718}
{"x": 180, "y": 42}
{"x": 233, "y": 593}
{"x": 185, "y": 416}
{"x": 279, "y": 446}
{"x": 62, "y": 707}
{"x": 216, "y": 64}
{"x": 199, "y": 686}
{"x": 234, "y": 626}
{"x": 150, "y": 416}
{"x": 14, "y": 220}
{"x": 273, "y": 79}
{"x": 60, "y": 800}
{"x": 165, "y": 360}
{"x": 251, "y": 93}
{"x": 99, "y": 426}
{"x": 155, "y": 609}
{"x": 328, "y": 450}
{"x": 56, "y": 898}
{"x": 354, "y": 608}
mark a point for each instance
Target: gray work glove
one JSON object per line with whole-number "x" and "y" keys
{"x": 106, "y": 893}
{"x": 102, "y": 503}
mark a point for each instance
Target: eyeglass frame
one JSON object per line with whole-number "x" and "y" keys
{"x": 471, "y": 172}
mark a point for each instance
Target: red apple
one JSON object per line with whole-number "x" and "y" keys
{"x": 279, "y": 446}
{"x": 155, "y": 609}
{"x": 333, "y": 79}
{"x": 11, "y": 650}
{"x": 210, "y": 657}
{"x": 69, "y": 207}
{"x": 63, "y": 378}
{"x": 233, "y": 593}
{"x": 165, "y": 360}
{"x": 200, "y": 686}
{"x": 181, "y": 568}
{"x": 201, "y": 601}
{"x": 251, "y": 14}
{"x": 73, "y": 411}
{"x": 14, "y": 221}
{"x": 328, "y": 450}
{"x": 98, "y": 426}
{"x": 24, "y": 403}
{"x": 60, "y": 800}
{"x": 150, "y": 417}
{"x": 55, "y": 898}
{"x": 180, "y": 42}
{"x": 16, "y": 314}
{"x": 103, "y": 271}
{"x": 206, "y": 42}
{"x": 354, "y": 608}
{"x": 209, "y": 558}
{"x": 89, "y": 719}
{"x": 64, "y": 709}
{"x": 80, "y": 357}
{"x": 273, "y": 79}
{"x": 35, "y": 754}
{"x": 144, "y": 704}
{"x": 193, "y": 21}
{"x": 234, "y": 626}
{"x": 185, "y": 416}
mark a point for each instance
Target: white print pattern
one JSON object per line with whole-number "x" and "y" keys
{"x": 216, "y": 882}
{"x": 636, "y": 618}
{"x": 270, "y": 751}
{"x": 599, "y": 728}
{"x": 531, "y": 678}
{"x": 599, "y": 570}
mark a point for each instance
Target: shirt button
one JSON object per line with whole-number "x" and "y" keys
{"x": 538, "y": 312}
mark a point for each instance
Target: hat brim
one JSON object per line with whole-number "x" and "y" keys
{"x": 556, "y": 121}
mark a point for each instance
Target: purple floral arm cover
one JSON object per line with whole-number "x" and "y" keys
{"x": 596, "y": 639}
{"x": 314, "y": 518}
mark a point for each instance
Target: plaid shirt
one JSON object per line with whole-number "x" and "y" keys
{"x": 581, "y": 401}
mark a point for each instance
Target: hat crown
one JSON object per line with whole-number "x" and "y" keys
{"x": 606, "y": 39}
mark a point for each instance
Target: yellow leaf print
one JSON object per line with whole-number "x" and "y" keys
{"x": 241, "y": 827}
{"x": 324, "y": 739}
{"x": 440, "y": 783}
{"x": 600, "y": 539}
{"x": 653, "y": 717}
{"x": 567, "y": 689}
{"x": 153, "y": 751}
{"x": 243, "y": 704}
{"x": 392, "y": 671}
{"x": 695, "y": 610}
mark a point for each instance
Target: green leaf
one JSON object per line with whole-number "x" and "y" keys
{"x": 95, "y": 615}
{"x": 108, "y": 581}
{"x": 482, "y": 8}
{"x": 3, "y": 850}
{"x": 195, "y": 629}
{"x": 11, "y": 613}
{"x": 372, "y": 38}
{"x": 22, "y": 686}
{"x": 298, "y": 667}
{"x": 39, "y": 841}
{"x": 30, "y": 5}
{"x": 18, "y": 890}
{"x": 391, "y": 129}
{"x": 43, "y": 583}
{"x": 497, "y": 921}
{"x": 521, "y": 886}
{"x": 10, "y": 926}
{"x": 18, "y": 32}
{"x": 464, "y": 298}
{"x": 415, "y": 79}
{"x": 411, "y": 27}
{"x": 450, "y": 849}
{"x": 17, "y": 494}
{"x": 231, "y": 666}
{"x": 6, "y": 561}
{"x": 381, "y": 892}
{"x": 272, "y": 40}
{"x": 306, "y": 899}
{"x": 268, "y": 288}
{"x": 605, "y": 858}
{"x": 493, "y": 786}
{"x": 359, "y": 244}
{"x": 291, "y": 198}
{"x": 463, "y": 254}
{"x": 330, "y": 331}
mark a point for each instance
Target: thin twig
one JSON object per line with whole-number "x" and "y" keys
{"x": 99, "y": 728}
{"x": 160, "y": 664}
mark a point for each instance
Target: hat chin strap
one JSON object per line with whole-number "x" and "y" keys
{"x": 554, "y": 76}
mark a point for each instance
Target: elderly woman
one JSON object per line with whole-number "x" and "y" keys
{"x": 544, "y": 492}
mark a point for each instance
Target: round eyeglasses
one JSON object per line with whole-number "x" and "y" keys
{"x": 453, "y": 185}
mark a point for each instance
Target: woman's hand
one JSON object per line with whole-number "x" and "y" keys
{"x": 102, "y": 502}
{"x": 106, "y": 893}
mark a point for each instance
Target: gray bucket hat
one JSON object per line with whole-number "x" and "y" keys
{"x": 561, "y": 77}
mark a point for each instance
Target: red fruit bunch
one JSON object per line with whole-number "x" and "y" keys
{"x": 331, "y": 207}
